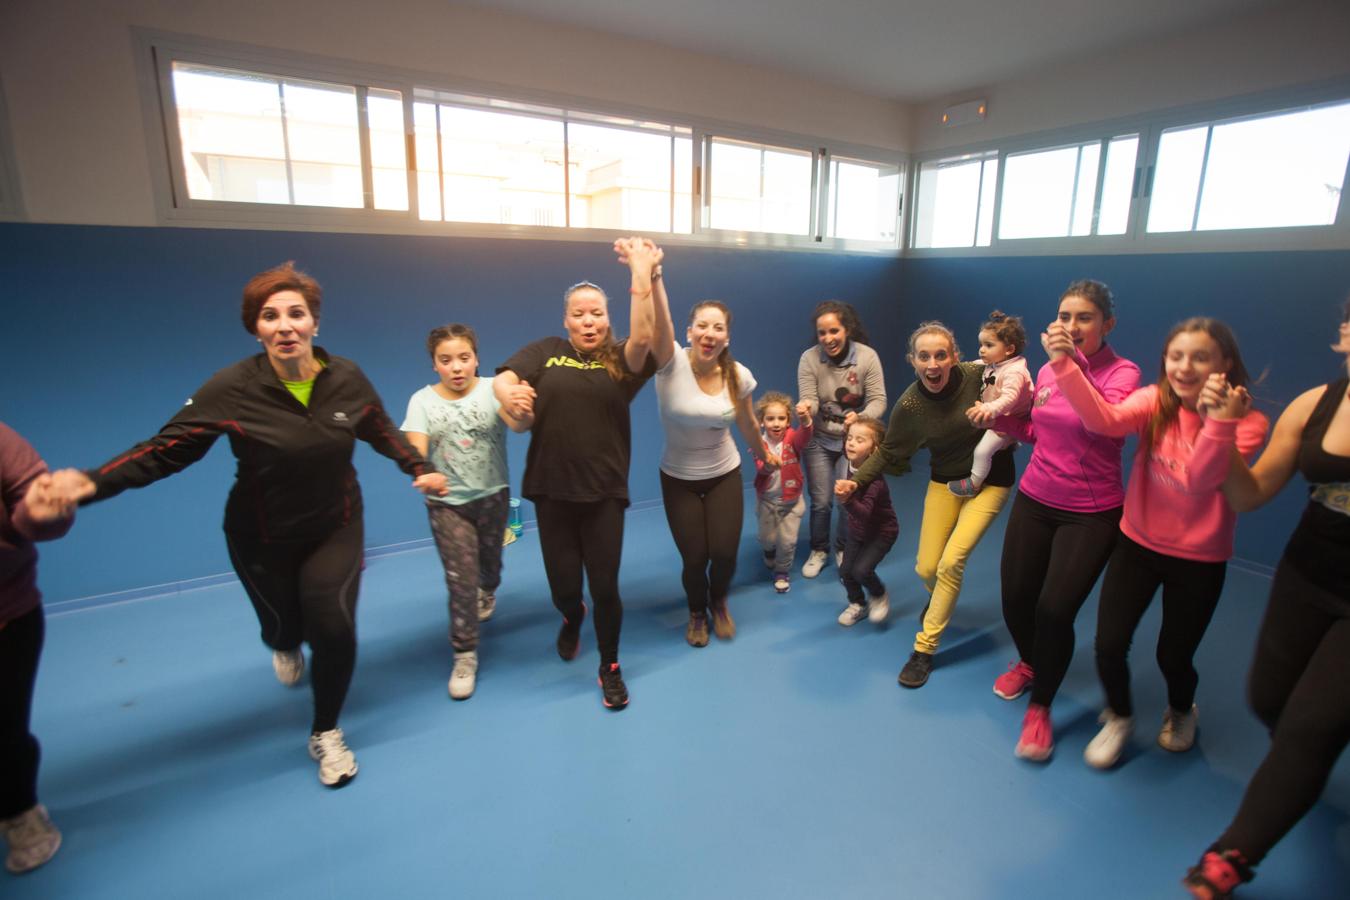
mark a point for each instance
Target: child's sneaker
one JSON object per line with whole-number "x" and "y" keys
{"x": 487, "y": 604}
{"x": 32, "y": 838}
{"x": 878, "y": 609}
{"x": 1012, "y": 683}
{"x": 964, "y": 487}
{"x": 852, "y": 615}
{"x": 464, "y": 676}
{"x": 815, "y": 561}
{"x": 1217, "y": 874}
{"x": 1178, "y": 729}
{"x": 769, "y": 558}
{"x": 612, "y": 688}
{"x": 1038, "y": 740}
{"x": 1104, "y": 750}
{"x": 781, "y": 583}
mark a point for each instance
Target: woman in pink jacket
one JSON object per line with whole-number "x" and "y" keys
{"x": 1177, "y": 530}
{"x": 1066, "y": 517}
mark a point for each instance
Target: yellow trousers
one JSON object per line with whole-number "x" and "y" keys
{"x": 951, "y": 528}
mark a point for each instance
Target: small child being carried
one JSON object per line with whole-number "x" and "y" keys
{"x": 781, "y": 503}
{"x": 872, "y": 529}
{"x": 1007, "y": 392}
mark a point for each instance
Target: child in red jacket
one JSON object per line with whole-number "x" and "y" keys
{"x": 779, "y": 486}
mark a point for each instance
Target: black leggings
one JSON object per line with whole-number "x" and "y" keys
{"x": 20, "y": 649}
{"x": 1300, "y": 688}
{"x": 306, "y": 591}
{"x": 705, "y": 520}
{"x": 1190, "y": 593}
{"x": 585, "y": 536}
{"x": 1051, "y": 559}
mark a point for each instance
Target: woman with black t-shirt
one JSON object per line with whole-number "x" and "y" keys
{"x": 574, "y": 393}
{"x": 1300, "y": 680}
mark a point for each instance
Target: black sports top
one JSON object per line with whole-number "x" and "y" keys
{"x": 1320, "y": 545}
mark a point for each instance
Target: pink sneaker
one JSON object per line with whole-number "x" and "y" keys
{"x": 1012, "y": 683}
{"x": 1038, "y": 739}
{"x": 1216, "y": 875}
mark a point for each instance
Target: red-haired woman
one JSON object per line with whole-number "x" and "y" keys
{"x": 293, "y": 523}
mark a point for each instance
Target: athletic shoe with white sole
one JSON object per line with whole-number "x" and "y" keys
{"x": 1178, "y": 729}
{"x": 1104, "y": 750}
{"x": 289, "y": 665}
{"x": 852, "y": 615}
{"x": 878, "y": 609}
{"x": 487, "y": 604}
{"x": 464, "y": 675}
{"x": 815, "y": 561}
{"x": 337, "y": 763}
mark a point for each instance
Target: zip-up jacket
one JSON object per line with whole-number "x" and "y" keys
{"x": 295, "y": 479}
{"x": 794, "y": 441}
{"x": 870, "y": 513}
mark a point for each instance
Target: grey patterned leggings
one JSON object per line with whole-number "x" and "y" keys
{"x": 469, "y": 539}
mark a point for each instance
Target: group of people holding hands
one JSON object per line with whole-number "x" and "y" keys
{"x": 293, "y": 520}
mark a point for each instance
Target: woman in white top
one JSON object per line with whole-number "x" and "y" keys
{"x": 702, "y": 392}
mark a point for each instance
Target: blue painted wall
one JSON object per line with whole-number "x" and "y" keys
{"x": 109, "y": 330}
{"x": 1284, "y": 307}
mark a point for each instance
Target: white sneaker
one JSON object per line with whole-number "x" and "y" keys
{"x": 878, "y": 609}
{"x": 289, "y": 665}
{"x": 1178, "y": 729}
{"x": 487, "y": 604}
{"x": 337, "y": 764}
{"x": 852, "y": 615}
{"x": 463, "y": 677}
{"x": 1104, "y": 750}
{"x": 32, "y": 837}
{"x": 815, "y": 561}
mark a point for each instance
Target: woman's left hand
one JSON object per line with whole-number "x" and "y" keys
{"x": 432, "y": 483}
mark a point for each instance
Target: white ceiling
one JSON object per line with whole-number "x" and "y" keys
{"x": 906, "y": 50}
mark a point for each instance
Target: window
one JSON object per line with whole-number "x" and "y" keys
{"x": 253, "y": 136}
{"x": 1064, "y": 192}
{"x": 755, "y": 187}
{"x": 864, "y": 200}
{"x": 1270, "y": 171}
{"x": 248, "y": 137}
{"x": 955, "y": 205}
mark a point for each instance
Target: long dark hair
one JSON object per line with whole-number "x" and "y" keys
{"x": 1168, "y": 401}
{"x": 724, "y": 360}
{"x": 848, "y": 317}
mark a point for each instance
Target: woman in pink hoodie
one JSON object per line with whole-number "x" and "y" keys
{"x": 1177, "y": 530}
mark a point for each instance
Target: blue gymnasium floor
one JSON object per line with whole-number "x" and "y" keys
{"x": 785, "y": 764}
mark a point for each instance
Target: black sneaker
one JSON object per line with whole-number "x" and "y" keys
{"x": 915, "y": 672}
{"x": 569, "y": 636}
{"x": 612, "y": 686}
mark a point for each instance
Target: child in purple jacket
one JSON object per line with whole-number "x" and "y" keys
{"x": 872, "y": 529}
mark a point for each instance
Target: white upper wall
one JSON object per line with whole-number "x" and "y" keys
{"x": 1292, "y": 45}
{"x": 75, "y": 111}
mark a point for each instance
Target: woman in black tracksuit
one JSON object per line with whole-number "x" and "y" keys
{"x": 293, "y": 521}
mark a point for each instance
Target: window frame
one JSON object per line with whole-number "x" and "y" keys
{"x": 1136, "y": 238}
{"x": 157, "y": 50}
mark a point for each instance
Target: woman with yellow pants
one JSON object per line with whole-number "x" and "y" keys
{"x": 932, "y": 413}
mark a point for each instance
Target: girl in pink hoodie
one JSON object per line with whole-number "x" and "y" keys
{"x": 1177, "y": 528}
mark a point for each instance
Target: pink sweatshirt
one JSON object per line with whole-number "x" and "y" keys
{"x": 1007, "y": 388}
{"x": 1173, "y": 504}
{"x": 1071, "y": 468}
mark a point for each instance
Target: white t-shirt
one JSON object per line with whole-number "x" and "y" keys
{"x": 698, "y": 426}
{"x": 466, "y": 440}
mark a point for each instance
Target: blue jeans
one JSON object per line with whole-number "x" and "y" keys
{"x": 823, "y": 466}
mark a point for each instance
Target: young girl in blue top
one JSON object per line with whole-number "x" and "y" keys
{"x": 459, "y": 425}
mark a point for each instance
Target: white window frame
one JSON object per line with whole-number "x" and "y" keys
{"x": 1136, "y": 238}
{"x": 156, "y": 51}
